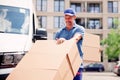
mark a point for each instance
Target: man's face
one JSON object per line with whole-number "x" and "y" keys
{"x": 69, "y": 20}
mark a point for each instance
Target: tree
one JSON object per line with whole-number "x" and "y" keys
{"x": 112, "y": 44}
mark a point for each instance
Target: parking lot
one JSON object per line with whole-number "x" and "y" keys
{"x": 100, "y": 76}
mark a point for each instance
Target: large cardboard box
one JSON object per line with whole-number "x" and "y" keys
{"x": 62, "y": 60}
{"x": 91, "y": 48}
{"x": 69, "y": 48}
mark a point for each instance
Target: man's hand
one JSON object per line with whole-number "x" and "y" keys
{"x": 76, "y": 37}
{"x": 60, "y": 40}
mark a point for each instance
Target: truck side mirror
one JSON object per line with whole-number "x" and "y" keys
{"x": 41, "y": 34}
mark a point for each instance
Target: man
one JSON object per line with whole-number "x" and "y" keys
{"x": 72, "y": 31}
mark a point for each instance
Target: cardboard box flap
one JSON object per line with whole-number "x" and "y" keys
{"x": 45, "y": 61}
{"x": 34, "y": 74}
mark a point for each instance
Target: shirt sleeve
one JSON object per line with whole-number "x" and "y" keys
{"x": 56, "y": 35}
{"x": 80, "y": 30}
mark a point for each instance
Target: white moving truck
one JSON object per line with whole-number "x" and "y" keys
{"x": 18, "y": 31}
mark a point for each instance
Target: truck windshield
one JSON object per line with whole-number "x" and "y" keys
{"x": 14, "y": 20}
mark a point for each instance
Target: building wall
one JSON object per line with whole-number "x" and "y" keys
{"x": 103, "y": 16}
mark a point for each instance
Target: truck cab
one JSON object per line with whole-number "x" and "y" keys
{"x": 18, "y": 31}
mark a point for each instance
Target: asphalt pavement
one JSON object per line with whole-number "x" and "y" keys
{"x": 100, "y": 76}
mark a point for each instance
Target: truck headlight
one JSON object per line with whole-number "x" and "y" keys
{"x": 10, "y": 59}
{"x": 17, "y": 58}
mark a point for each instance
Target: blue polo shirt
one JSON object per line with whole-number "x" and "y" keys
{"x": 68, "y": 34}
